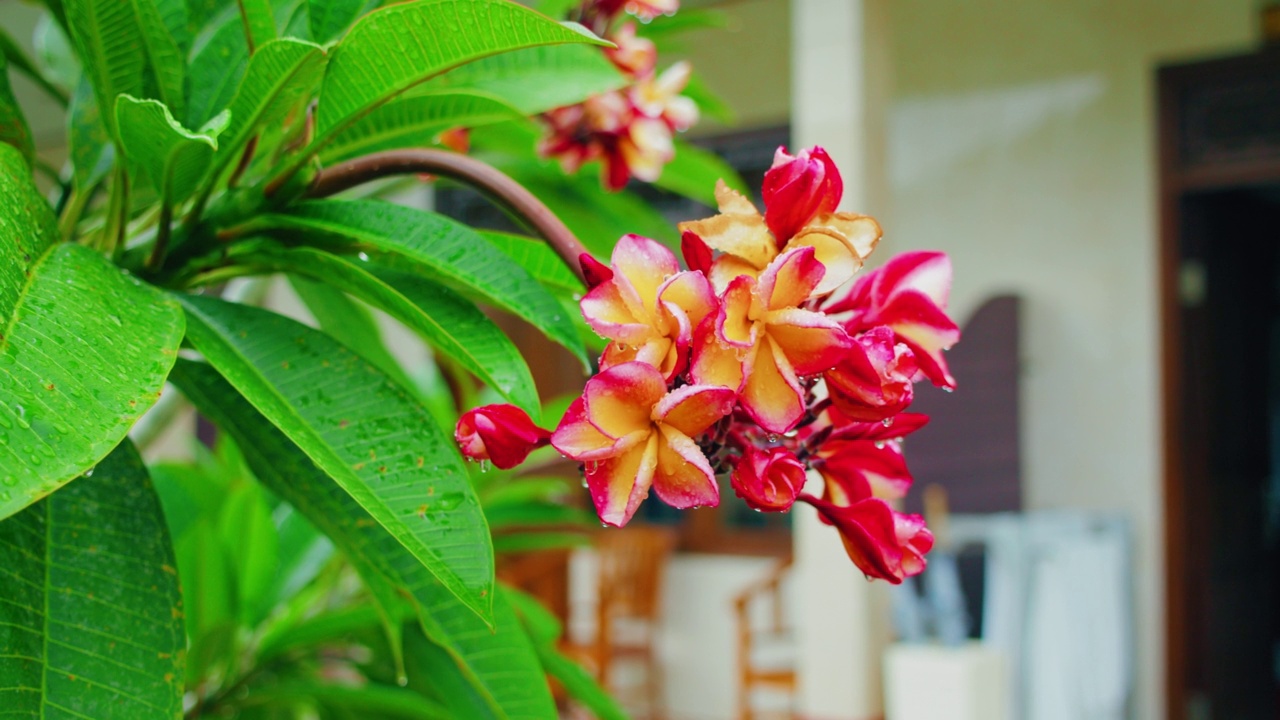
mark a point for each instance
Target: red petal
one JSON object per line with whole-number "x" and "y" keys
{"x": 697, "y": 254}
{"x": 593, "y": 270}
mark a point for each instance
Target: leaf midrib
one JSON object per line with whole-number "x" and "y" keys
{"x": 23, "y": 294}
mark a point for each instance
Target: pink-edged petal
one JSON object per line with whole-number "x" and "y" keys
{"x": 690, "y": 292}
{"x": 915, "y": 540}
{"x": 797, "y": 188}
{"x": 620, "y": 400}
{"x": 727, "y": 268}
{"x": 768, "y": 479}
{"x": 898, "y": 426}
{"x": 618, "y": 485}
{"x": 924, "y": 271}
{"x": 737, "y": 230}
{"x": 863, "y": 468}
{"x": 611, "y": 316}
{"x": 790, "y": 279}
{"x": 645, "y": 264}
{"x": 714, "y": 363}
{"x": 835, "y": 251}
{"x": 647, "y": 148}
{"x": 771, "y": 394}
{"x": 684, "y": 478}
{"x": 580, "y": 440}
{"x": 734, "y": 324}
{"x": 503, "y": 434}
{"x": 875, "y": 379}
{"x": 812, "y": 342}
{"x": 869, "y": 534}
{"x": 694, "y": 408}
{"x": 594, "y": 271}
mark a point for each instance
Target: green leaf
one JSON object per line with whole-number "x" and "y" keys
{"x": 330, "y": 18}
{"x": 13, "y": 126}
{"x": 54, "y": 52}
{"x": 173, "y": 157}
{"x": 539, "y": 260}
{"x": 451, "y": 324}
{"x": 362, "y": 429}
{"x": 536, "y": 79}
{"x": 216, "y": 72}
{"x": 693, "y": 173}
{"x": 92, "y": 154}
{"x": 249, "y": 537}
{"x": 533, "y": 513}
{"x": 351, "y": 324}
{"x": 521, "y": 542}
{"x": 415, "y": 121}
{"x": 91, "y": 621}
{"x": 365, "y": 701}
{"x": 84, "y": 348}
{"x": 393, "y": 49}
{"x": 124, "y": 47}
{"x": 19, "y": 61}
{"x": 259, "y": 22}
{"x": 500, "y": 665}
{"x": 281, "y": 75}
{"x": 445, "y": 250}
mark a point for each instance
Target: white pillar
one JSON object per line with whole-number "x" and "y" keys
{"x": 839, "y": 86}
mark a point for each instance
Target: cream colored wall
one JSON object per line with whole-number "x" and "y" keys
{"x": 1020, "y": 140}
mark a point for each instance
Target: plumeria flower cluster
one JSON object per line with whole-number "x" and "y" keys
{"x": 767, "y": 358}
{"x": 628, "y": 130}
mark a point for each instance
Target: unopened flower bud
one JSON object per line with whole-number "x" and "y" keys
{"x": 768, "y": 479}
{"x": 501, "y": 434}
{"x": 797, "y": 189}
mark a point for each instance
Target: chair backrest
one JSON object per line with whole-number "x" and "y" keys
{"x": 632, "y": 561}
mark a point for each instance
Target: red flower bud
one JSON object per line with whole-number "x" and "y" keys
{"x": 874, "y": 380}
{"x": 797, "y": 189}
{"x": 697, "y": 255}
{"x": 594, "y": 271}
{"x": 882, "y": 543}
{"x": 502, "y": 434}
{"x": 768, "y": 479}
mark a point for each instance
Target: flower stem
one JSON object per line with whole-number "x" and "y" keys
{"x": 462, "y": 168}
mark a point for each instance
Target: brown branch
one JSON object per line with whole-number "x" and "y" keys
{"x": 462, "y": 168}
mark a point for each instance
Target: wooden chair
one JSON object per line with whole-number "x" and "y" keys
{"x": 631, "y": 565}
{"x": 754, "y": 673}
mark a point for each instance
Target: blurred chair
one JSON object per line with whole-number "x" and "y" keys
{"x": 765, "y": 655}
{"x": 631, "y": 566}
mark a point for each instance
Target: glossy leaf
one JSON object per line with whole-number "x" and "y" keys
{"x": 498, "y": 667}
{"x": 91, "y": 622}
{"x": 330, "y": 18}
{"x": 172, "y": 157}
{"x": 13, "y": 126}
{"x": 125, "y": 48}
{"x": 442, "y": 250}
{"x": 281, "y": 75}
{"x": 363, "y": 430}
{"x": 216, "y": 71}
{"x": 84, "y": 348}
{"x": 416, "y": 121}
{"x": 537, "y": 79}
{"x": 391, "y": 50}
{"x": 538, "y": 259}
{"x": 693, "y": 173}
{"x": 259, "y": 22}
{"x": 451, "y": 324}
{"x": 91, "y": 149}
{"x": 253, "y": 548}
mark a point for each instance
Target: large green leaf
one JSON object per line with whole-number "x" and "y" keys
{"x": 693, "y": 173}
{"x": 13, "y": 126}
{"x": 216, "y": 72}
{"x": 329, "y": 18}
{"x": 281, "y": 74}
{"x": 535, "y": 256}
{"x": 125, "y": 47}
{"x": 364, "y": 431}
{"x": 416, "y": 121}
{"x": 84, "y": 348}
{"x": 172, "y": 157}
{"x": 498, "y": 665}
{"x": 91, "y": 617}
{"x": 451, "y": 324}
{"x": 392, "y": 49}
{"x": 91, "y": 149}
{"x": 259, "y": 22}
{"x": 537, "y": 79}
{"x": 441, "y": 248}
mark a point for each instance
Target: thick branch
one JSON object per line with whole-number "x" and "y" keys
{"x": 470, "y": 171}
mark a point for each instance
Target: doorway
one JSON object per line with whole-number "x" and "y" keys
{"x": 1220, "y": 210}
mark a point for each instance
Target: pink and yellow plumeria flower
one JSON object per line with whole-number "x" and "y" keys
{"x": 874, "y": 380}
{"x": 908, "y": 294}
{"x": 853, "y": 470}
{"x": 648, "y": 307}
{"x": 633, "y": 435}
{"x": 804, "y": 190}
{"x": 764, "y": 342}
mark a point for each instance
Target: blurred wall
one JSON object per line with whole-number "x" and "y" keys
{"x": 1020, "y": 139}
